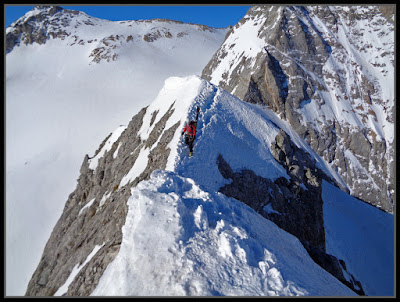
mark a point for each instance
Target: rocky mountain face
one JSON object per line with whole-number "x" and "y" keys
{"x": 329, "y": 72}
{"x": 95, "y": 212}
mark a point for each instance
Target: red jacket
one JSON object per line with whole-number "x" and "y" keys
{"x": 190, "y": 130}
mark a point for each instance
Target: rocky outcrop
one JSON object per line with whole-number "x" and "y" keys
{"x": 293, "y": 204}
{"x": 156, "y": 34}
{"x": 105, "y": 49}
{"x": 306, "y": 68}
{"x": 26, "y": 30}
{"x": 95, "y": 212}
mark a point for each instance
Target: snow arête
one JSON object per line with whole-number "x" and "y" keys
{"x": 190, "y": 132}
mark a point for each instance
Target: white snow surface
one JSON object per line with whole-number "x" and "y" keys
{"x": 60, "y": 105}
{"x": 180, "y": 240}
{"x": 209, "y": 245}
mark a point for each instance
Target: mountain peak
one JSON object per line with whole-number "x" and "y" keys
{"x": 51, "y": 9}
{"x": 36, "y": 26}
{"x": 38, "y": 14}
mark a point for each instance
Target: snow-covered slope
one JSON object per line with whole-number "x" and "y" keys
{"x": 80, "y": 78}
{"x": 243, "y": 133}
{"x": 207, "y": 245}
{"x": 181, "y": 236}
{"x": 201, "y": 235}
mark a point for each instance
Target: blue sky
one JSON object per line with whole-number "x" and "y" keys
{"x": 211, "y": 15}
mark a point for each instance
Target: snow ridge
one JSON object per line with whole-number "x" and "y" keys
{"x": 207, "y": 245}
{"x": 205, "y": 240}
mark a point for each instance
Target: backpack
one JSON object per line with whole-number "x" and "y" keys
{"x": 190, "y": 134}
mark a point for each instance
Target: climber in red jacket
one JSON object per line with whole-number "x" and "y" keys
{"x": 190, "y": 136}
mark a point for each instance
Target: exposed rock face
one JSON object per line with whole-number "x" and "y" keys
{"x": 156, "y": 34}
{"x": 27, "y": 32}
{"x": 295, "y": 205}
{"x": 105, "y": 47}
{"x": 95, "y": 212}
{"x": 304, "y": 64}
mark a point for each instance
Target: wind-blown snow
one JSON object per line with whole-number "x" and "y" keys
{"x": 60, "y": 105}
{"x": 207, "y": 245}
